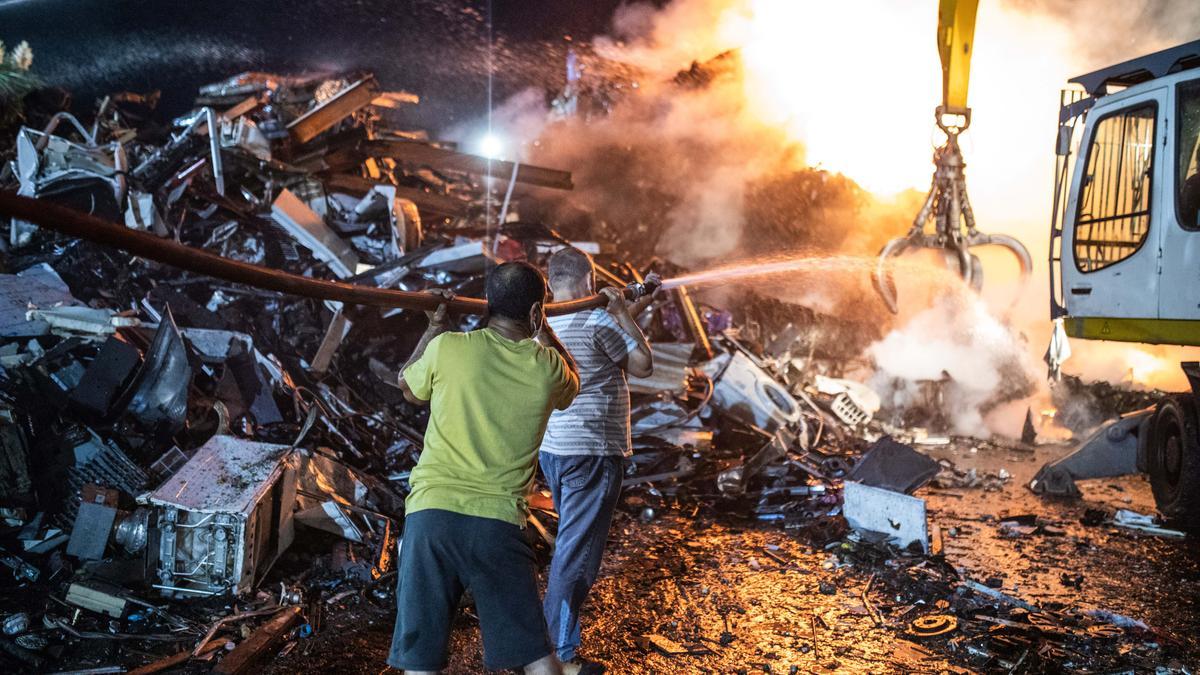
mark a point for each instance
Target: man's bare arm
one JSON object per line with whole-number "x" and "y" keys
{"x": 439, "y": 323}
{"x": 640, "y": 361}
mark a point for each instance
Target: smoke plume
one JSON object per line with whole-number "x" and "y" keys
{"x": 711, "y": 130}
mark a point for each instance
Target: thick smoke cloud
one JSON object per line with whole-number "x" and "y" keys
{"x": 684, "y": 160}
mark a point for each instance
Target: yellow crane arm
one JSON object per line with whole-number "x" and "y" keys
{"x": 956, "y": 39}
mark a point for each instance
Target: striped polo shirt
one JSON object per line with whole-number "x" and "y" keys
{"x": 597, "y": 423}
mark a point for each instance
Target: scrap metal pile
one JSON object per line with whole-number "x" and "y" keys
{"x": 181, "y": 457}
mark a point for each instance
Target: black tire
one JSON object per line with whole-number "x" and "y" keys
{"x": 1173, "y": 461}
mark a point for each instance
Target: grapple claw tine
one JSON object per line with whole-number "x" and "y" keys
{"x": 1018, "y": 249}
{"x": 882, "y": 279}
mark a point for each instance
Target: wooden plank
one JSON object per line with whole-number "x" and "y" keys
{"x": 416, "y": 152}
{"x": 247, "y": 104}
{"x": 175, "y": 659}
{"x": 347, "y": 102}
{"x": 263, "y": 640}
{"x": 395, "y": 99}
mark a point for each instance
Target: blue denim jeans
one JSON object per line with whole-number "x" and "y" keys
{"x": 585, "y": 490}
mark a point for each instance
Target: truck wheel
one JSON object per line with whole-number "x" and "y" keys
{"x": 1173, "y": 461}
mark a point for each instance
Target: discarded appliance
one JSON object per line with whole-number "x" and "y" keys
{"x": 311, "y": 231}
{"x": 85, "y": 177}
{"x": 747, "y": 392}
{"x": 223, "y": 519}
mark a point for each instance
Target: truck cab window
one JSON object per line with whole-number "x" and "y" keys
{"x": 1187, "y": 144}
{"x": 1113, "y": 216}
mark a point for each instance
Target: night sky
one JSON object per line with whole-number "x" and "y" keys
{"x": 435, "y": 48}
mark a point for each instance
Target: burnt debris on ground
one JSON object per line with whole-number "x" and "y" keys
{"x": 206, "y": 475}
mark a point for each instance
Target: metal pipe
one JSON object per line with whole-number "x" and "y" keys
{"x": 52, "y": 126}
{"x": 214, "y": 148}
{"x": 75, "y": 224}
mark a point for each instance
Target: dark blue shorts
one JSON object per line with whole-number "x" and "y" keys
{"x": 443, "y": 553}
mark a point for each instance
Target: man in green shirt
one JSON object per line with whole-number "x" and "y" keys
{"x": 490, "y": 393}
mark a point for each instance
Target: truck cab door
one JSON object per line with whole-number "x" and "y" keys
{"x": 1110, "y": 249}
{"x": 1179, "y": 236}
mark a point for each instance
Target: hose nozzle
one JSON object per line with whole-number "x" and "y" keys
{"x": 640, "y": 289}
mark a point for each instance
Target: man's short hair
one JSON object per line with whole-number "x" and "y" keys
{"x": 569, "y": 266}
{"x": 513, "y": 288}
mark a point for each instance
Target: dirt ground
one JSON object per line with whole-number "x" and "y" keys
{"x": 794, "y": 603}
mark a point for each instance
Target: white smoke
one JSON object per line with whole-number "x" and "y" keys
{"x": 710, "y": 146}
{"x": 982, "y": 362}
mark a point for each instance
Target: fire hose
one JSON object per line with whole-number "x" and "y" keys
{"x": 143, "y": 244}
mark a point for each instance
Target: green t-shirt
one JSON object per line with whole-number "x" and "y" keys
{"x": 489, "y": 401}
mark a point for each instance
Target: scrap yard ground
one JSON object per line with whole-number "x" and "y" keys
{"x": 791, "y": 602}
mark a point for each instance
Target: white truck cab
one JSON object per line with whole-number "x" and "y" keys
{"x": 1127, "y": 252}
{"x": 1125, "y": 258}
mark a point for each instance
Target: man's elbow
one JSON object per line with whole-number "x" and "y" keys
{"x": 408, "y": 393}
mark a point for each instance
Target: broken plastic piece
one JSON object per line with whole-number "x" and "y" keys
{"x": 99, "y": 597}
{"x": 89, "y": 537}
{"x": 894, "y": 466}
{"x": 1132, "y": 520}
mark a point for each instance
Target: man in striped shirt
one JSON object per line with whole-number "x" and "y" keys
{"x": 585, "y": 446}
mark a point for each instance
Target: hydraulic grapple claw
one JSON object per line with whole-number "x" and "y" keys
{"x": 948, "y": 210}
